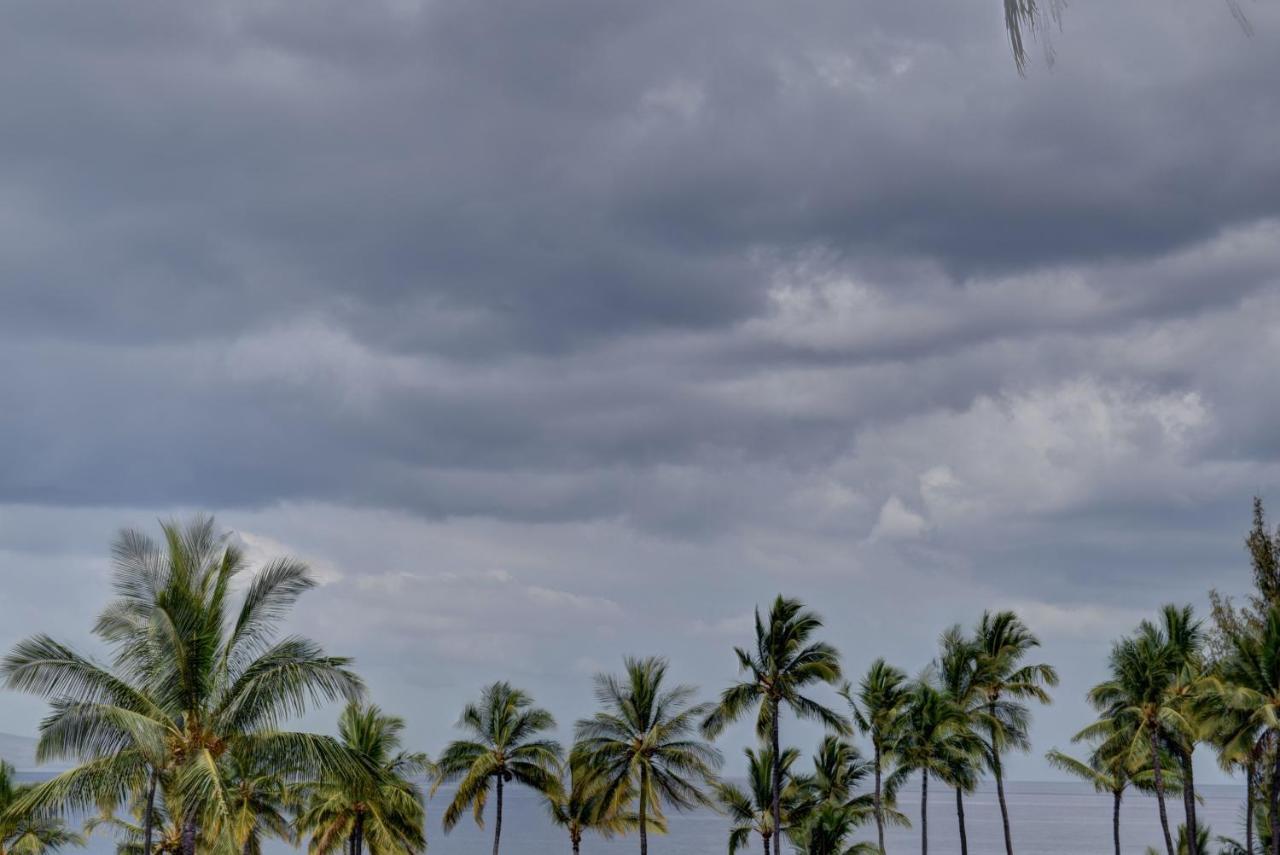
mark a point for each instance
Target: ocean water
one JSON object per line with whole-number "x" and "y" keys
{"x": 1047, "y": 819}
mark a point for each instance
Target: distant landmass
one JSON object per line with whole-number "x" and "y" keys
{"x": 18, "y": 751}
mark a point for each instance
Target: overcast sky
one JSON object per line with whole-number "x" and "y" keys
{"x": 555, "y": 331}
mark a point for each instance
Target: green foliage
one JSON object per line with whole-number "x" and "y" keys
{"x": 384, "y": 812}
{"x": 196, "y": 676}
{"x": 506, "y": 745}
{"x": 643, "y": 741}
{"x": 26, "y": 832}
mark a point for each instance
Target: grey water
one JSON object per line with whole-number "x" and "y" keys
{"x": 1047, "y": 819}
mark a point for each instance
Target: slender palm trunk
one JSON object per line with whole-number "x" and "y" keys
{"x": 357, "y": 834}
{"x": 999, "y": 776}
{"x": 149, "y": 814}
{"x": 1189, "y": 800}
{"x": 577, "y": 843}
{"x": 497, "y": 817}
{"x": 879, "y": 804}
{"x": 964, "y": 838}
{"x": 1159, "y": 778}
{"x": 1115, "y": 819}
{"x": 643, "y": 812}
{"x": 247, "y": 848}
{"x": 776, "y": 773}
{"x": 765, "y": 839}
{"x": 1248, "y": 806}
{"x": 189, "y": 836}
{"x": 1275, "y": 805}
{"x": 924, "y": 813}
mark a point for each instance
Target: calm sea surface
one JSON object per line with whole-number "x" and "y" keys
{"x": 1048, "y": 819}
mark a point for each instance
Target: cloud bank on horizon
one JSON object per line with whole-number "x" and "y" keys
{"x": 551, "y": 332}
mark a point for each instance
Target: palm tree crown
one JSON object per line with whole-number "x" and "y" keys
{"x": 352, "y": 812}
{"x": 506, "y": 745}
{"x": 1007, "y": 682}
{"x": 783, "y": 663}
{"x": 644, "y": 741}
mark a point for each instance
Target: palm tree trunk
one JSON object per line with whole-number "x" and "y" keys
{"x": 879, "y": 804}
{"x": 189, "y": 836}
{"x": 1189, "y": 800}
{"x": 999, "y": 776}
{"x": 643, "y": 812}
{"x": 776, "y": 773}
{"x": 1275, "y": 804}
{"x": 1115, "y": 819}
{"x": 964, "y": 838}
{"x": 148, "y": 815}
{"x": 764, "y": 838}
{"x": 357, "y": 835}
{"x": 497, "y": 817}
{"x": 1159, "y": 778}
{"x": 577, "y": 843}
{"x": 1248, "y": 806}
{"x": 924, "y": 813}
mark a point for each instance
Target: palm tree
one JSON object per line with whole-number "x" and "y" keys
{"x": 1110, "y": 767}
{"x": 195, "y": 676}
{"x": 581, "y": 804}
{"x": 258, "y": 799}
{"x": 1241, "y": 745}
{"x": 350, "y": 812}
{"x": 644, "y": 742}
{"x": 783, "y": 663}
{"x": 1185, "y": 639}
{"x": 505, "y": 746}
{"x": 1002, "y": 644}
{"x": 956, "y": 671}
{"x": 827, "y": 831}
{"x": 1189, "y": 844}
{"x": 877, "y": 711}
{"x": 750, "y": 809}
{"x": 131, "y": 836}
{"x": 1251, "y": 686}
{"x": 26, "y": 832}
{"x": 934, "y": 735}
{"x": 1136, "y": 699}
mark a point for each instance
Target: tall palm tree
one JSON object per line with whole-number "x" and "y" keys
{"x": 25, "y": 832}
{"x": 195, "y": 676}
{"x": 581, "y": 804}
{"x": 505, "y": 746}
{"x": 643, "y": 741}
{"x": 348, "y": 812}
{"x": 935, "y": 732}
{"x": 1251, "y": 685}
{"x": 783, "y": 663}
{"x": 1136, "y": 699}
{"x": 1002, "y": 675}
{"x": 1241, "y": 744}
{"x": 1110, "y": 767}
{"x": 1183, "y": 634}
{"x": 750, "y": 810}
{"x": 877, "y": 711}
{"x": 956, "y": 672}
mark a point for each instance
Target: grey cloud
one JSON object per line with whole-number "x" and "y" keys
{"x": 619, "y": 299}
